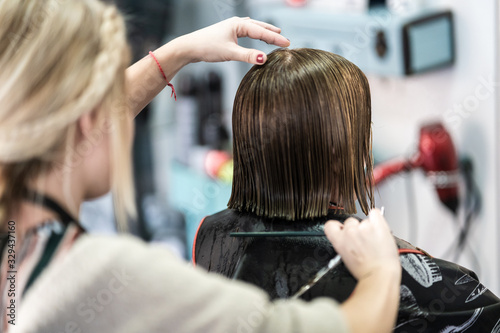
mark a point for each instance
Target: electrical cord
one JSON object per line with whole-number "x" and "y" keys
{"x": 472, "y": 205}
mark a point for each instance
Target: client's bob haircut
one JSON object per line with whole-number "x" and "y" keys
{"x": 302, "y": 136}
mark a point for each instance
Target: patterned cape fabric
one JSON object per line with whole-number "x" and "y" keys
{"x": 436, "y": 295}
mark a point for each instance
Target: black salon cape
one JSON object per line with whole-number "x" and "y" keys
{"x": 436, "y": 295}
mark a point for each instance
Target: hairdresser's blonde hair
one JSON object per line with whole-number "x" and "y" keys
{"x": 60, "y": 59}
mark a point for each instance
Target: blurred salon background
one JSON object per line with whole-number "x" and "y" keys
{"x": 433, "y": 72}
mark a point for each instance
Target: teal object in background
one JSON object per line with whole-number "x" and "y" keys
{"x": 196, "y": 195}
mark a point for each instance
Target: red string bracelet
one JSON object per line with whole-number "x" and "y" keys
{"x": 164, "y": 76}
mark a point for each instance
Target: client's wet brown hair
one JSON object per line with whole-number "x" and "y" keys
{"x": 302, "y": 134}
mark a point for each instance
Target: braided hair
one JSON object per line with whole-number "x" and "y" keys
{"x": 60, "y": 59}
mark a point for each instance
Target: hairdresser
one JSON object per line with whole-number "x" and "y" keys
{"x": 67, "y": 103}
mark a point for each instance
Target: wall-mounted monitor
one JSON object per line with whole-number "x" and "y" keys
{"x": 428, "y": 43}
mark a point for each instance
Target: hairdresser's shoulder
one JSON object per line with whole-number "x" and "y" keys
{"x": 120, "y": 248}
{"x": 110, "y": 243}
{"x": 98, "y": 283}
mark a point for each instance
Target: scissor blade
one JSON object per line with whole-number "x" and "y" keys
{"x": 331, "y": 264}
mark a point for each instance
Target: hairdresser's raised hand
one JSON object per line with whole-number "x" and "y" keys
{"x": 365, "y": 246}
{"x": 219, "y": 42}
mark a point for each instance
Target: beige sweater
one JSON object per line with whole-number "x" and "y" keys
{"x": 121, "y": 284}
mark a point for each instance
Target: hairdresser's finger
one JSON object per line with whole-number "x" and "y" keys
{"x": 333, "y": 231}
{"x": 377, "y": 219}
{"x": 247, "y": 28}
{"x": 351, "y": 222}
{"x": 266, "y": 25}
{"x": 375, "y": 214}
{"x": 251, "y": 56}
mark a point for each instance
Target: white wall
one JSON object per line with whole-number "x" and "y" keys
{"x": 467, "y": 106}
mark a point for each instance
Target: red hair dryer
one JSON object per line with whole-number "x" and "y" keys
{"x": 437, "y": 157}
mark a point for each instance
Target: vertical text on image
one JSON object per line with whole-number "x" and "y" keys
{"x": 8, "y": 241}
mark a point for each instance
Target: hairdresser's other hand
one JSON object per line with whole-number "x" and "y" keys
{"x": 219, "y": 42}
{"x": 365, "y": 246}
